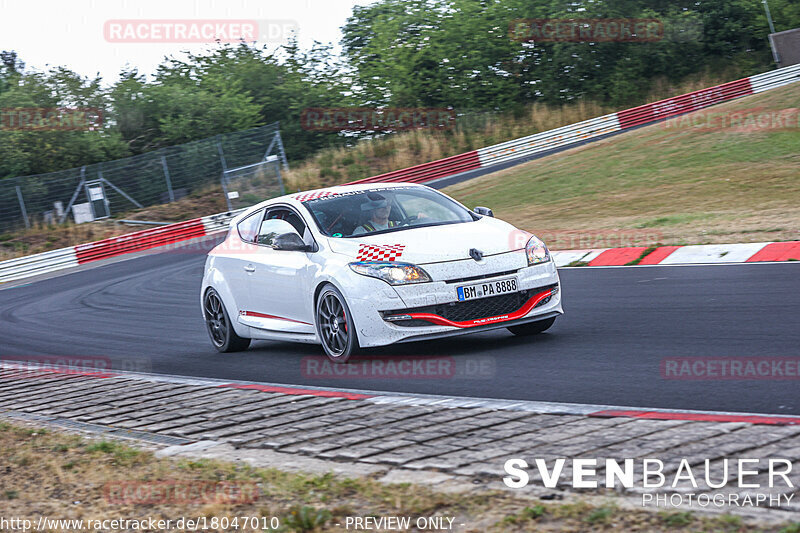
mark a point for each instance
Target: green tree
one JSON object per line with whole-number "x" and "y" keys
{"x": 28, "y": 151}
{"x": 459, "y": 53}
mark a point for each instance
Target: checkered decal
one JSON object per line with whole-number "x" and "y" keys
{"x": 386, "y": 252}
{"x": 306, "y": 196}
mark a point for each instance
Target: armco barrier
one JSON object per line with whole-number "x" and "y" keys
{"x": 685, "y": 103}
{"x": 139, "y": 241}
{"x": 34, "y": 265}
{"x": 429, "y": 171}
{"x": 153, "y": 238}
{"x": 548, "y": 140}
{"x": 574, "y": 134}
{"x": 525, "y": 147}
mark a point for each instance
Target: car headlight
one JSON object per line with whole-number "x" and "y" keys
{"x": 391, "y": 273}
{"x": 536, "y": 251}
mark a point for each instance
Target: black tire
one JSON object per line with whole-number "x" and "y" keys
{"x": 532, "y": 328}
{"x": 219, "y": 327}
{"x": 335, "y": 326}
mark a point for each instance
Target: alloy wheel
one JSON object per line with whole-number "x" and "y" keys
{"x": 332, "y": 322}
{"x": 215, "y": 319}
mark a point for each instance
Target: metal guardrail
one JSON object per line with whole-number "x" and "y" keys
{"x": 220, "y": 221}
{"x": 775, "y": 78}
{"x": 142, "y": 222}
{"x": 430, "y": 171}
{"x": 140, "y": 241}
{"x": 548, "y": 140}
{"x": 33, "y": 265}
{"x": 43, "y": 263}
{"x": 580, "y": 132}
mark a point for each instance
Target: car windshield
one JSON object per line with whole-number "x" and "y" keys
{"x": 383, "y": 210}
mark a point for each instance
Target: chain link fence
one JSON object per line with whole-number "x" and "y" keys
{"x": 110, "y": 188}
{"x": 248, "y": 185}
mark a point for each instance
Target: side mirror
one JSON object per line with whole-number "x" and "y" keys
{"x": 484, "y": 211}
{"x": 290, "y": 242}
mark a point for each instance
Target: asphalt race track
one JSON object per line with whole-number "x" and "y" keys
{"x": 621, "y": 323}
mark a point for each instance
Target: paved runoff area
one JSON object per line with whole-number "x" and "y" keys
{"x": 451, "y": 446}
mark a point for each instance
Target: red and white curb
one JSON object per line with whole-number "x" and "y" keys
{"x": 704, "y": 254}
{"x": 432, "y": 400}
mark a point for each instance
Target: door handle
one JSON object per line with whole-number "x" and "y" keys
{"x": 250, "y": 268}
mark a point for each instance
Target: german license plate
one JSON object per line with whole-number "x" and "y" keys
{"x": 486, "y": 289}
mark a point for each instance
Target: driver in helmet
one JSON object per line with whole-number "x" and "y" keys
{"x": 377, "y": 213}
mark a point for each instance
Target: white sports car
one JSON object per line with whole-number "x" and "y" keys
{"x": 369, "y": 265}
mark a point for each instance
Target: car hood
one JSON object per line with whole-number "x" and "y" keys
{"x": 434, "y": 244}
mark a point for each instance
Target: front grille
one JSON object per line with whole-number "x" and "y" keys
{"x": 482, "y": 276}
{"x": 472, "y": 309}
{"x": 483, "y": 307}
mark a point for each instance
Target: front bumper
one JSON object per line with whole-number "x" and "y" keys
{"x": 471, "y": 313}
{"x": 431, "y": 310}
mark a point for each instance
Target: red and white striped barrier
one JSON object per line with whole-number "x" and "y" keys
{"x": 139, "y": 241}
{"x": 33, "y": 265}
{"x": 574, "y": 134}
{"x": 430, "y": 171}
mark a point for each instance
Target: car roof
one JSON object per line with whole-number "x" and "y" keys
{"x": 296, "y": 199}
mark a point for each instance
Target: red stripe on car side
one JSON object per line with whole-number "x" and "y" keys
{"x": 519, "y": 313}
{"x": 701, "y": 417}
{"x": 296, "y": 391}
